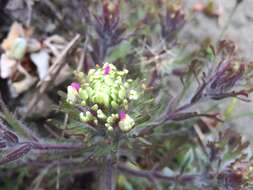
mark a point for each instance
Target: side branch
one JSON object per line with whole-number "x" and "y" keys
{"x": 157, "y": 175}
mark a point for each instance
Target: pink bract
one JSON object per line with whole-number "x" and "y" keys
{"x": 75, "y": 85}
{"x": 107, "y": 70}
{"x": 122, "y": 115}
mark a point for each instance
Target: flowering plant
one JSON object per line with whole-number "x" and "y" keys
{"x": 149, "y": 118}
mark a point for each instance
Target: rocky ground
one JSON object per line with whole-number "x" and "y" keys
{"x": 240, "y": 28}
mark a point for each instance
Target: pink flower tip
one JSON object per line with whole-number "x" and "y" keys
{"x": 75, "y": 85}
{"x": 107, "y": 70}
{"x": 122, "y": 115}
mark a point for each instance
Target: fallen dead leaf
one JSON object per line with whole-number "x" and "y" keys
{"x": 19, "y": 87}
{"x": 33, "y": 45}
{"x": 7, "y": 66}
{"x": 55, "y": 44}
{"x": 18, "y": 49}
{"x": 41, "y": 60}
{"x": 56, "y": 39}
{"x": 16, "y": 31}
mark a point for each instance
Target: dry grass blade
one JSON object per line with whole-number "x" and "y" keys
{"x": 52, "y": 73}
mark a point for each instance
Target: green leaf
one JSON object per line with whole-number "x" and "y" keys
{"x": 120, "y": 52}
{"x": 187, "y": 160}
{"x": 210, "y": 53}
{"x": 12, "y": 121}
{"x": 123, "y": 182}
{"x": 230, "y": 109}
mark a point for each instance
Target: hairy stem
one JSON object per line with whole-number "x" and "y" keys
{"x": 154, "y": 174}
{"x": 107, "y": 177}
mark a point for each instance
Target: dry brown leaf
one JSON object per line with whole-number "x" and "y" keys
{"x": 16, "y": 31}
{"x": 19, "y": 87}
{"x": 33, "y": 45}
{"x": 55, "y": 44}
{"x": 55, "y": 39}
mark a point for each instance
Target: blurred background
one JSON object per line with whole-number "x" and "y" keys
{"x": 238, "y": 24}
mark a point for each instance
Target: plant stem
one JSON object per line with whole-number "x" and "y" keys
{"x": 107, "y": 176}
{"x": 147, "y": 174}
{"x": 39, "y": 146}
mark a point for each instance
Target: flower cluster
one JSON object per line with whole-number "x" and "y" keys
{"x": 104, "y": 95}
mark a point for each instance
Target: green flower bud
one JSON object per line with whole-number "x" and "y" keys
{"x": 97, "y": 74}
{"x": 126, "y": 84}
{"x": 100, "y": 114}
{"x": 94, "y": 107}
{"x": 118, "y": 80}
{"x": 90, "y": 91}
{"x": 112, "y": 119}
{"x": 125, "y": 101}
{"x": 109, "y": 127}
{"x": 91, "y": 72}
{"x": 106, "y": 100}
{"x": 105, "y": 89}
{"x": 126, "y": 124}
{"x": 122, "y": 93}
{"x": 83, "y": 103}
{"x": 101, "y": 98}
{"x": 97, "y": 84}
{"x": 80, "y": 76}
{"x": 123, "y": 73}
{"x": 114, "y": 94}
{"x": 108, "y": 80}
{"x": 133, "y": 95}
{"x": 114, "y": 105}
{"x": 115, "y": 116}
{"x": 89, "y": 116}
{"x": 72, "y": 95}
{"x": 83, "y": 94}
{"x": 109, "y": 120}
{"x": 83, "y": 117}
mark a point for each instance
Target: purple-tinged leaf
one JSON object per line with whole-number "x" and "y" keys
{"x": 230, "y": 94}
{"x": 198, "y": 95}
{"x": 188, "y": 115}
{"x": 2, "y": 145}
{"x": 171, "y": 23}
{"x": 16, "y": 154}
{"x": 38, "y": 146}
{"x": 10, "y": 137}
{"x": 218, "y": 85}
